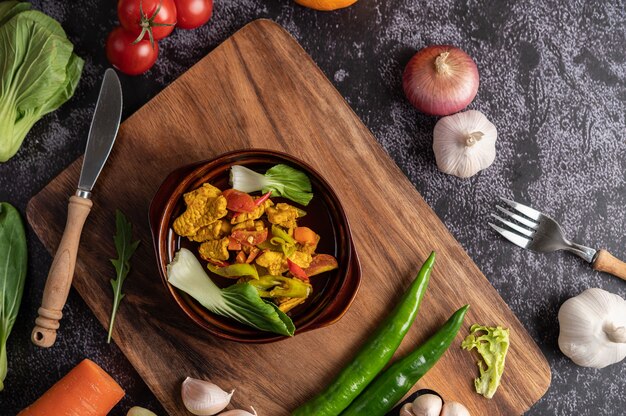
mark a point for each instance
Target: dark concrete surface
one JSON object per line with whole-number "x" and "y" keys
{"x": 553, "y": 80}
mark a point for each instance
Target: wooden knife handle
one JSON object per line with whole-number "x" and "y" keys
{"x": 606, "y": 262}
{"x": 61, "y": 274}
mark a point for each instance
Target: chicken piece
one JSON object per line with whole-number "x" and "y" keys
{"x": 204, "y": 206}
{"x": 206, "y": 190}
{"x": 301, "y": 259}
{"x": 287, "y": 304}
{"x": 214, "y": 249}
{"x": 274, "y": 262}
{"x": 307, "y": 248}
{"x": 283, "y": 214}
{"x": 213, "y": 231}
{"x": 249, "y": 225}
{"x": 254, "y": 215}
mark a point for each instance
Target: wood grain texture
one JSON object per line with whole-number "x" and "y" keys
{"x": 259, "y": 89}
{"x": 606, "y": 262}
{"x": 61, "y": 273}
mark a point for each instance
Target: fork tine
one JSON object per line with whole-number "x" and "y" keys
{"x": 528, "y": 223}
{"x": 528, "y": 211}
{"x": 514, "y": 226}
{"x": 516, "y": 239}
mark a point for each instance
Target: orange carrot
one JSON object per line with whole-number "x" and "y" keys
{"x": 87, "y": 390}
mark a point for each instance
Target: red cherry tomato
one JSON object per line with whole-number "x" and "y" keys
{"x": 131, "y": 59}
{"x": 138, "y": 16}
{"x": 193, "y": 13}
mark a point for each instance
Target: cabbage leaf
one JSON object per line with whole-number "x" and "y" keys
{"x": 492, "y": 343}
{"x": 38, "y": 72}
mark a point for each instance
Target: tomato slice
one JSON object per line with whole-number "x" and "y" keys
{"x": 249, "y": 238}
{"x": 238, "y": 201}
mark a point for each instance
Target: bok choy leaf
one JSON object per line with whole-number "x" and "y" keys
{"x": 38, "y": 72}
{"x": 282, "y": 180}
{"x": 13, "y": 257}
{"x": 240, "y": 301}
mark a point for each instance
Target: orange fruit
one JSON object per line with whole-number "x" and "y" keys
{"x": 326, "y": 5}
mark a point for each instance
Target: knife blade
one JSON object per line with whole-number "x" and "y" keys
{"x": 102, "y": 134}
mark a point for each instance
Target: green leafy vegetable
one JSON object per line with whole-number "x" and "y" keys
{"x": 125, "y": 248}
{"x": 38, "y": 72}
{"x": 492, "y": 343}
{"x": 282, "y": 180}
{"x": 13, "y": 257}
{"x": 240, "y": 301}
{"x": 235, "y": 270}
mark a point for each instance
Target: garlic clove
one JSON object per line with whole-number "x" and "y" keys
{"x": 464, "y": 143}
{"x": 203, "y": 398}
{"x": 140, "y": 411}
{"x": 454, "y": 409}
{"x": 239, "y": 412}
{"x": 406, "y": 410}
{"x": 427, "y": 405}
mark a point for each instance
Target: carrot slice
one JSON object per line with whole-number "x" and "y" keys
{"x": 87, "y": 390}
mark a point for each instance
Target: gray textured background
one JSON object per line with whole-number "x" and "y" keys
{"x": 553, "y": 81}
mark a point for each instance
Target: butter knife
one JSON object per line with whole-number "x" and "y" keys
{"x": 102, "y": 134}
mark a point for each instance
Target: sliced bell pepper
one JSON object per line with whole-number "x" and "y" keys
{"x": 235, "y": 270}
{"x": 281, "y": 287}
{"x": 282, "y": 234}
{"x": 297, "y": 271}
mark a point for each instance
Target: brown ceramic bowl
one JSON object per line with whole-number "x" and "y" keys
{"x": 333, "y": 291}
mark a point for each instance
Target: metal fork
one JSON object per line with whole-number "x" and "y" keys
{"x": 538, "y": 232}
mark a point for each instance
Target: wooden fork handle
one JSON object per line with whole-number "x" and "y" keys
{"x": 61, "y": 273}
{"x": 606, "y": 262}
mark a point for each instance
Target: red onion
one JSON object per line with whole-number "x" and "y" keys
{"x": 440, "y": 80}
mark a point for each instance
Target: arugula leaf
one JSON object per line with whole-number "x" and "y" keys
{"x": 281, "y": 179}
{"x": 125, "y": 248}
{"x": 13, "y": 259}
{"x": 240, "y": 301}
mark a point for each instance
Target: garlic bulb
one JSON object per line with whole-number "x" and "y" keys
{"x": 427, "y": 405}
{"x": 593, "y": 328}
{"x": 139, "y": 411}
{"x": 204, "y": 398}
{"x": 406, "y": 410}
{"x": 454, "y": 409}
{"x": 239, "y": 412}
{"x": 464, "y": 143}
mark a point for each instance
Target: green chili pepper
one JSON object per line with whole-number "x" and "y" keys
{"x": 374, "y": 355}
{"x": 392, "y": 384}
{"x": 235, "y": 270}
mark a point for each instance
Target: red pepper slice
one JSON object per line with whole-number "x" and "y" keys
{"x": 297, "y": 271}
{"x": 262, "y": 199}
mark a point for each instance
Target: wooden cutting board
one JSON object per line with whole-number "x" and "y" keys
{"x": 259, "y": 89}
